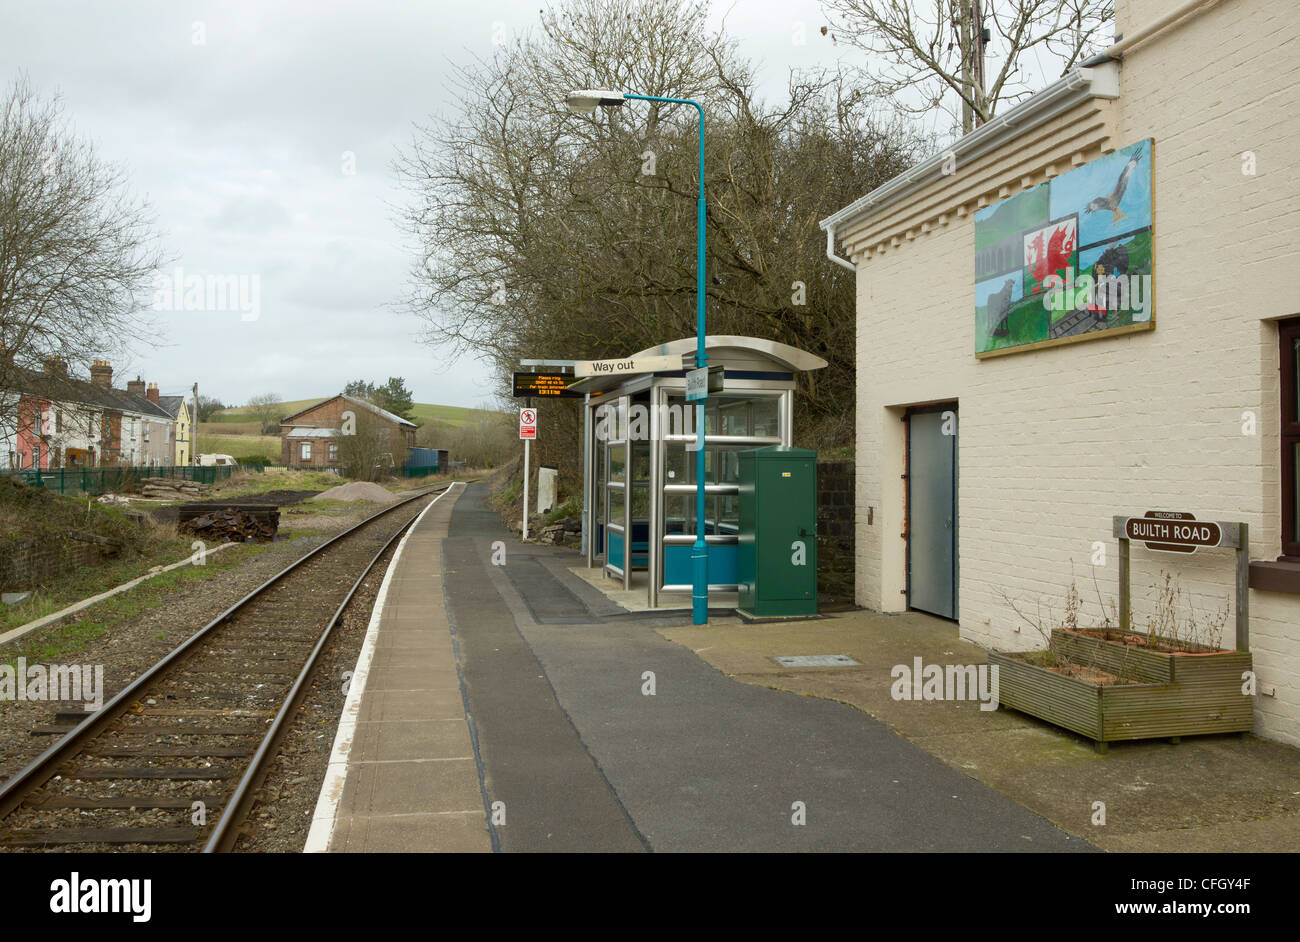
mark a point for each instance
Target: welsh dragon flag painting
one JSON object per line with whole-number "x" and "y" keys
{"x": 1070, "y": 259}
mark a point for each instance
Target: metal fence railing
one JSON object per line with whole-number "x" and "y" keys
{"x": 109, "y": 480}
{"x": 105, "y": 480}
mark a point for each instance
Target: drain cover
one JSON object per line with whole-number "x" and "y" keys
{"x": 817, "y": 660}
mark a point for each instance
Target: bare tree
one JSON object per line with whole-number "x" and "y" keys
{"x": 543, "y": 233}
{"x": 373, "y": 449}
{"x": 929, "y": 54}
{"x": 77, "y": 254}
{"x": 266, "y": 408}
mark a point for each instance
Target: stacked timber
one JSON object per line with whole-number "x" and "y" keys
{"x": 172, "y": 488}
{"x": 230, "y": 523}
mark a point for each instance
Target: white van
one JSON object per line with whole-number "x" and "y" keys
{"x": 206, "y": 461}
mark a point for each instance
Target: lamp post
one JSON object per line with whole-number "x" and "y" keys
{"x": 585, "y": 101}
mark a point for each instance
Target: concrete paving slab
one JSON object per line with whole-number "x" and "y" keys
{"x": 457, "y": 832}
{"x": 414, "y": 676}
{"x": 414, "y": 739}
{"x": 413, "y": 704}
{"x": 410, "y": 787}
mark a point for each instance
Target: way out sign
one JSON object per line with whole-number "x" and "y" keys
{"x": 623, "y": 367}
{"x": 1172, "y": 531}
{"x": 527, "y": 424}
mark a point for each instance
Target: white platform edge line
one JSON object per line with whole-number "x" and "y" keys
{"x": 325, "y": 816}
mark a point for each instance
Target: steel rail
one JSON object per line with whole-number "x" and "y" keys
{"x": 225, "y": 833}
{"x": 37, "y": 772}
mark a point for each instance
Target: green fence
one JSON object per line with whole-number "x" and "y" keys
{"x": 422, "y": 472}
{"x": 105, "y": 480}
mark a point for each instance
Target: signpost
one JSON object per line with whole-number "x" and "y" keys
{"x": 623, "y": 367}
{"x": 697, "y": 384}
{"x": 1172, "y": 531}
{"x": 705, "y": 380}
{"x": 545, "y": 385}
{"x": 527, "y": 432}
{"x": 1177, "y": 531}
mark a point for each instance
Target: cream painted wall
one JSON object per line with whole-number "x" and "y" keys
{"x": 1054, "y": 441}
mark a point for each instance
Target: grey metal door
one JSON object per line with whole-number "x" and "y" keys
{"x": 932, "y": 510}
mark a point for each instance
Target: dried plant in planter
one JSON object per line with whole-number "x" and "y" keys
{"x": 1106, "y": 684}
{"x": 1059, "y": 658}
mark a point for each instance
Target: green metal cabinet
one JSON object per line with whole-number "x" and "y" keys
{"x": 777, "y": 564}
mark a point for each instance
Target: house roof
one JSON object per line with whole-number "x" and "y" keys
{"x": 171, "y": 404}
{"x": 382, "y": 413}
{"x": 70, "y": 389}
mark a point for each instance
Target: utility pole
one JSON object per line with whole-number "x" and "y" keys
{"x": 980, "y": 38}
{"x": 972, "y": 38}
{"x": 967, "y": 64}
{"x": 194, "y": 428}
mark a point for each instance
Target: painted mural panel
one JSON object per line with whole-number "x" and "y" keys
{"x": 1069, "y": 259}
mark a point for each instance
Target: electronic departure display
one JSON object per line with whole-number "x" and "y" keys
{"x": 544, "y": 385}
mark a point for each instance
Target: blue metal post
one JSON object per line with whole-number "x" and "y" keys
{"x": 700, "y": 551}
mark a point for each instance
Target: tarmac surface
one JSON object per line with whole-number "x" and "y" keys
{"x": 584, "y": 758}
{"x": 585, "y": 727}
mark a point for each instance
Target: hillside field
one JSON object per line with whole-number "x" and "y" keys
{"x": 448, "y": 416}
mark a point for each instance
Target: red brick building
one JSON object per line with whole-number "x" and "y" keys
{"x": 311, "y": 438}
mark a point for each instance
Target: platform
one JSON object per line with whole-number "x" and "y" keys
{"x": 402, "y": 775}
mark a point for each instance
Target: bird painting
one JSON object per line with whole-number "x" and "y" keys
{"x": 1112, "y": 201}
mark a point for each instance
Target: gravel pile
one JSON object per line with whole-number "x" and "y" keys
{"x": 359, "y": 490}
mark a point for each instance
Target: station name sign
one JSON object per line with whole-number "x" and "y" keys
{"x": 1173, "y": 531}
{"x": 550, "y": 385}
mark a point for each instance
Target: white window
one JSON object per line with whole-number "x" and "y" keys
{"x": 306, "y": 451}
{"x": 334, "y": 452}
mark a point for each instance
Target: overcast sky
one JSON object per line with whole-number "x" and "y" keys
{"x": 239, "y": 141}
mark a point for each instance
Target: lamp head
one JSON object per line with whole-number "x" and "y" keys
{"x": 585, "y": 100}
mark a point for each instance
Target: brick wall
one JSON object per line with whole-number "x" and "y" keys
{"x": 835, "y": 528}
{"x": 28, "y": 563}
{"x": 1052, "y": 442}
{"x": 329, "y": 414}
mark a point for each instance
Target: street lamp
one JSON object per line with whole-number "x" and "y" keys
{"x": 585, "y": 101}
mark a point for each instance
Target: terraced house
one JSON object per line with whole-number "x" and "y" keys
{"x": 1086, "y": 308}
{"x": 65, "y": 422}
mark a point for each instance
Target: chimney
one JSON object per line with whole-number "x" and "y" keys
{"x": 153, "y": 393}
{"x": 54, "y": 366}
{"x": 101, "y": 374}
{"x": 135, "y": 386}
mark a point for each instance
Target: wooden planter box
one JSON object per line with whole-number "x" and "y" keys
{"x": 1175, "y": 694}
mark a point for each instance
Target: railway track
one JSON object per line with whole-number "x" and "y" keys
{"x": 174, "y": 760}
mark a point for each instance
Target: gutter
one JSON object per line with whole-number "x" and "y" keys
{"x": 830, "y": 250}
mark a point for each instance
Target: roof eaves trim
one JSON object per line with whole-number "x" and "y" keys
{"x": 1079, "y": 85}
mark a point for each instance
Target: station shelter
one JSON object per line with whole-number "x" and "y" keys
{"x": 639, "y": 454}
